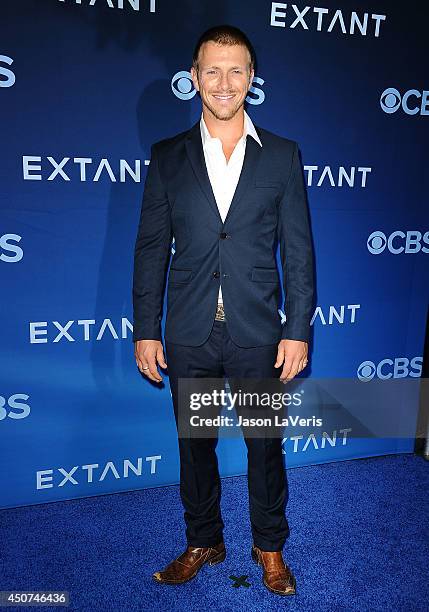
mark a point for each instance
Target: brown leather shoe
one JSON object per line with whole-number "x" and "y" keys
{"x": 188, "y": 564}
{"x": 277, "y": 576}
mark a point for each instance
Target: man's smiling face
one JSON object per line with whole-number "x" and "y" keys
{"x": 223, "y": 79}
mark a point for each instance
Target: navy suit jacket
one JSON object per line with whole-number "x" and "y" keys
{"x": 269, "y": 205}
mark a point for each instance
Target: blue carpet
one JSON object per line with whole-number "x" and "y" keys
{"x": 359, "y": 541}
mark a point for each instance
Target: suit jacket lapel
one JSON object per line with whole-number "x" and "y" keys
{"x": 194, "y": 147}
{"x": 250, "y": 162}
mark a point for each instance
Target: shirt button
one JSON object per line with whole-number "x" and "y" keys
{"x": 216, "y": 274}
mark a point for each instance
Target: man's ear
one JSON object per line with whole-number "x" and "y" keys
{"x": 251, "y": 76}
{"x": 194, "y": 78}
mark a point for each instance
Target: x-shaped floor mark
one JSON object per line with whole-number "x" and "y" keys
{"x": 238, "y": 582}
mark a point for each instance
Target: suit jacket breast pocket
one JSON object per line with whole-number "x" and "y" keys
{"x": 266, "y": 184}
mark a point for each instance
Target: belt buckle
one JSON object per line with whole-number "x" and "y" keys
{"x": 220, "y": 313}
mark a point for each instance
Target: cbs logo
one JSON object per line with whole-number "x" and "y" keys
{"x": 391, "y": 100}
{"x": 410, "y": 242}
{"x": 9, "y": 79}
{"x": 401, "y": 367}
{"x": 18, "y": 410}
{"x": 183, "y": 88}
{"x": 6, "y": 244}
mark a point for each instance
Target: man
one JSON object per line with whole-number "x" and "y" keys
{"x": 227, "y": 191}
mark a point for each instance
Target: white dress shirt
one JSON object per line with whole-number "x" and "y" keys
{"x": 224, "y": 175}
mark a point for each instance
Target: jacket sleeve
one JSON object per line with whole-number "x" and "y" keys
{"x": 296, "y": 253}
{"x": 151, "y": 255}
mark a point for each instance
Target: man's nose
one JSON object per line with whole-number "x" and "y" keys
{"x": 224, "y": 82}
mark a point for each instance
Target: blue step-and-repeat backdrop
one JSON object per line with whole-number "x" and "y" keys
{"x": 86, "y": 86}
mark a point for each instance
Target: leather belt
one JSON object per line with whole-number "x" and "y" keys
{"x": 220, "y": 313}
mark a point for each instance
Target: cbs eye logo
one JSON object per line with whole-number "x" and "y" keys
{"x": 183, "y": 88}
{"x": 376, "y": 243}
{"x": 182, "y": 85}
{"x": 366, "y": 371}
{"x": 391, "y": 100}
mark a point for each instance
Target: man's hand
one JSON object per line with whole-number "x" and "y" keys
{"x": 294, "y": 355}
{"x": 148, "y": 353}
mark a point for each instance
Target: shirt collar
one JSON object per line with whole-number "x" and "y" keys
{"x": 249, "y": 129}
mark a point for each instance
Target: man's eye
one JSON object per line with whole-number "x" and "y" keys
{"x": 237, "y": 71}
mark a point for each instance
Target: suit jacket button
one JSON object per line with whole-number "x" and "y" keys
{"x": 216, "y": 274}
{"x": 223, "y": 235}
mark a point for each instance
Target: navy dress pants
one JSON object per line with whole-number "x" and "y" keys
{"x": 200, "y": 485}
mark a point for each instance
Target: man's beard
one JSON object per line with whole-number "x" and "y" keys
{"x": 223, "y": 117}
